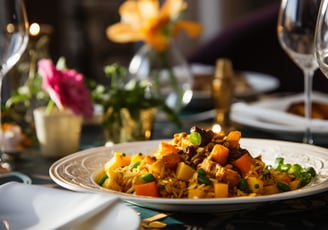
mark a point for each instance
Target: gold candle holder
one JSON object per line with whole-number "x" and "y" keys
{"x": 223, "y": 93}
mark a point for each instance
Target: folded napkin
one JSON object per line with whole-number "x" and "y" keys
{"x": 25, "y": 206}
{"x": 275, "y": 116}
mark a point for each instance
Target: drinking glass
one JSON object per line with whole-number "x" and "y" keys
{"x": 296, "y": 29}
{"x": 13, "y": 41}
{"x": 321, "y": 38}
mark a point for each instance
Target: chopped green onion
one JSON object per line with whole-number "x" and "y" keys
{"x": 312, "y": 171}
{"x": 295, "y": 169}
{"x": 305, "y": 175}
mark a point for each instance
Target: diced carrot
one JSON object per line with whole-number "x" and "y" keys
{"x": 166, "y": 148}
{"x": 233, "y": 139}
{"x": 147, "y": 189}
{"x": 220, "y": 154}
{"x": 244, "y": 163}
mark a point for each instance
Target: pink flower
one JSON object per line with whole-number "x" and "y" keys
{"x": 66, "y": 88}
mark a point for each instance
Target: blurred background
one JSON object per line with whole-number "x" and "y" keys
{"x": 244, "y": 31}
{"x": 79, "y": 28}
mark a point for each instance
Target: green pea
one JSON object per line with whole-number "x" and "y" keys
{"x": 102, "y": 179}
{"x": 204, "y": 180}
{"x": 134, "y": 165}
{"x": 201, "y": 172}
{"x": 283, "y": 187}
{"x": 312, "y": 171}
{"x": 147, "y": 177}
{"x": 195, "y": 138}
{"x": 243, "y": 184}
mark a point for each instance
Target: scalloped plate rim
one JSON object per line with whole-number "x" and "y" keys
{"x": 318, "y": 154}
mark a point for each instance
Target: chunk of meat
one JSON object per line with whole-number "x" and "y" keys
{"x": 222, "y": 174}
{"x": 231, "y": 177}
{"x": 171, "y": 161}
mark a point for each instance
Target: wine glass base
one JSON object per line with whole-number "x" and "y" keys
{"x": 308, "y": 141}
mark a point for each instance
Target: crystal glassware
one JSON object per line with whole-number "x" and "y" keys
{"x": 321, "y": 38}
{"x": 13, "y": 41}
{"x": 296, "y": 29}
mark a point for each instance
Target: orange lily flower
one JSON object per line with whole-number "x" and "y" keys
{"x": 146, "y": 20}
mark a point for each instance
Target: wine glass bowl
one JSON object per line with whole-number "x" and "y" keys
{"x": 321, "y": 38}
{"x": 13, "y": 41}
{"x": 296, "y": 31}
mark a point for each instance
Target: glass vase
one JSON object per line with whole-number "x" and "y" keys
{"x": 126, "y": 127}
{"x": 168, "y": 73}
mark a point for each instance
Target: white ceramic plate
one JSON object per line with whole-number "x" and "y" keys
{"x": 271, "y": 115}
{"x": 258, "y": 82}
{"x": 36, "y": 207}
{"x": 75, "y": 172}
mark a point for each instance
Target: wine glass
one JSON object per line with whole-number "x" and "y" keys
{"x": 296, "y": 29}
{"x": 13, "y": 41}
{"x": 321, "y": 38}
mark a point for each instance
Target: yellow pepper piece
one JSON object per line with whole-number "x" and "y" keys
{"x": 184, "y": 171}
{"x": 255, "y": 185}
{"x": 119, "y": 160}
{"x": 221, "y": 190}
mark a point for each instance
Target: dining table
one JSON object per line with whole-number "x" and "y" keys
{"x": 308, "y": 212}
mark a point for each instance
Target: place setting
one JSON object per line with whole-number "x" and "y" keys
{"x": 283, "y": 115}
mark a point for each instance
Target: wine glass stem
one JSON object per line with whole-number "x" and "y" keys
{"x": 308, "y": 80}
{"x": 1, "y": 77}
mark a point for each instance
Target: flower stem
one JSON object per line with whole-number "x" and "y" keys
{"x": 50, "y": 106}
{"x": 173, "y": 80}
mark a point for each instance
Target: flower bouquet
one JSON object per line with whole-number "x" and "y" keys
{"x": 128, "y": 105}
{"x": 54, "y": 86}
{"x": 68, "y": 101}
{"x": 159, "y": 60}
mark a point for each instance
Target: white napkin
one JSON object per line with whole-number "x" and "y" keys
{"x": 36, "y": 207}
{"x": 275, "y": 116}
